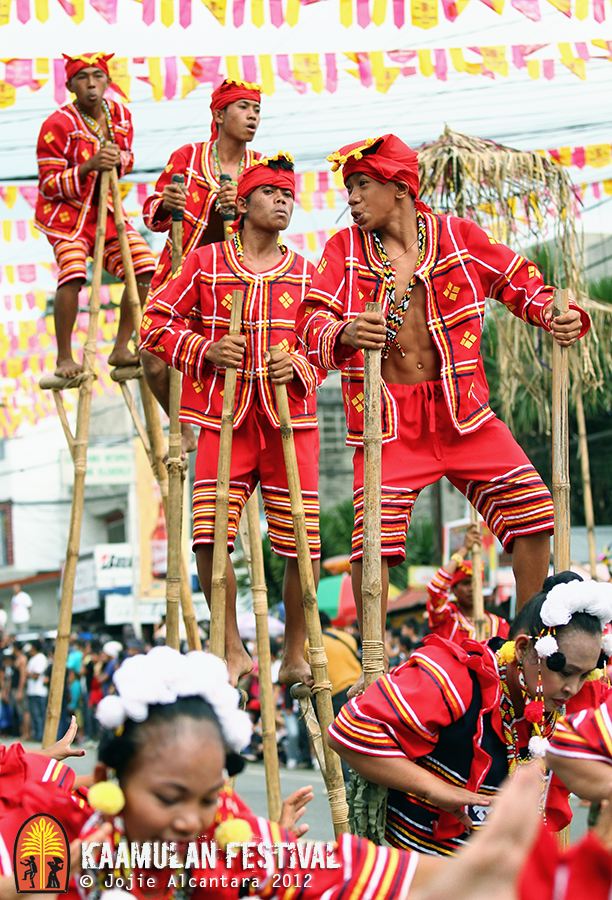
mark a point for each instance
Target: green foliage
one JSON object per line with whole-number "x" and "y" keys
{"x": 367, "y": 803}
{"x": 336, "y": 528}
{"x": 601, "y": 290}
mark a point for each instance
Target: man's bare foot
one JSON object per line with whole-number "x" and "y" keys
{"x": 238, "y": 663}
{"x": 189, "y": 441}
{"x": 122, "y": 356}
{"x": 295, "y": 671}
{"x": 357, "y": 689}
{"x": 67, "y": 368}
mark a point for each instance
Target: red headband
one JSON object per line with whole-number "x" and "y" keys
{"x": 229, "y": 92}
{"x": 384, "y": 159}
{"x": 100, "y": 61}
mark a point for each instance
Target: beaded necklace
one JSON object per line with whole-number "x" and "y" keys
{"x": 95, "y": 126}
{"x": 237, "y": 240}
{"x": 397, "y": 310}
{"x": 511, "y": 739}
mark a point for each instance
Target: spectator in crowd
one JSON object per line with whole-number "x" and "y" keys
{"x": 36, "y": 686}
{"x": 3, "y": 618}
{"x": 21, "y": 604}
{"x": 110, "y": 661}
{"x": 91, "y": 670}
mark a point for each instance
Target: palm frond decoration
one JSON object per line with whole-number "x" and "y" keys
{"x": 522, "y": 199}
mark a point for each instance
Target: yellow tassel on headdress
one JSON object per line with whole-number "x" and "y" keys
{"x": 250, "y": 85}
{"x": 107, "y": 797}
{"x": 507, "y": 652}
{"x": 233, "y": 831}
{"x": 595, "y": 675}
{"x": 357, "y": 152}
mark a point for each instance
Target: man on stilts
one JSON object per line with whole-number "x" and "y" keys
{"x": 83, "y": 138}
{"x": 432, "y": 275}
{"x": 273, "y": 281}
{"x": 235, "y": 108}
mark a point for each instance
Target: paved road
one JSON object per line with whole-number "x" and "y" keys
{"x": 251, "y": 786}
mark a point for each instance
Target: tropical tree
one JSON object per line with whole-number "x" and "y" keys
{"x": 43, "y": 839}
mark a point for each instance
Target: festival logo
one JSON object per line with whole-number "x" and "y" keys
{"x": 41, "y": 858}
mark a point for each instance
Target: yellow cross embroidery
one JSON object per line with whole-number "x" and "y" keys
{"x": 308, "y": 310}
{"x": 64, "y": 216}
{"x": 49, "y": 137}
{"x": 531, "y": 271}
{"x": 360, "y": 295}
{"x": 197, "y": 386}
{"x": 169, "y": 167}
{"x": 85, "y": 154}
{"x": 357, "y": 402}
{"x": 227, "y": 301}
{"x": 146, "y": 322}
{"x": 468, "y": 339}
{"x": 286, "y": 299}
{"x": 321, "y": 266}
{"x": 493, "y": 240}
{"x": 284, "y": 345}
{"x": 451, "y": 291}
{"x": 47, "y": 208}
{"x": 196, "y": 196}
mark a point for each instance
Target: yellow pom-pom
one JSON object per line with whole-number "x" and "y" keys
{"x": 107, "y": 797}
{"x": 595, "y": 675}
{"x": 507, "y": 652}
{"x": 233, "y": 831}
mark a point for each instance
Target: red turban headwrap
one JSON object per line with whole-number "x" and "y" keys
{"x": 384, "y": 159}
{"x": 229, "y": 92}
{"x": 100, "y": 61}
{"x": 261, "y": 173}
{"x": 463, "y": 571}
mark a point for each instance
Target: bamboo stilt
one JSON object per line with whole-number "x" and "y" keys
{"x": 266, "y": 691}
{"x": 560, "y": 448}
{"x": 583, "y": 452}
{"x": 219, "y": 563}
{"x": 371, "y": 585}
{"x": 174, "y": 466}
{"x": 151, "y": 411}
{"x": 317, "y": 656}
{"x": 79, "y": 453}
{"x": 301, "y": 693}
{"x": 480, "y": 621}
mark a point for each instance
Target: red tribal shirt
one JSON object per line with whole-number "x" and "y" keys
{"x": 195, "y": 162}
{"x": 461, "y": 268}
{"x": 192, "y": 311}
{"x": 65, "y": 141}
{"x": 446, "y": 619}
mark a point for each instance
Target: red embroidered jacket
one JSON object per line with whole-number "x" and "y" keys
{"x": 404, "y": 714}
{"x": 192, "y": 311}
{"x": 65, "y": 141}
{"x": 462, "y": 267}
{"x": 195, "y": 163}
{"x": 446, "y": 619}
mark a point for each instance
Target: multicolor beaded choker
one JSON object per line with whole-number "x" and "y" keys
{"x": 397, "y": 310}
{"x": 95, "y": 126}
{"x": 237, "y": 240}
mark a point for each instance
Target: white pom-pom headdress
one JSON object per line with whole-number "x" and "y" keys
{"x": 164, "y": 675}
{"x": 565, "y": 600}
{"x": 546, "y": 646}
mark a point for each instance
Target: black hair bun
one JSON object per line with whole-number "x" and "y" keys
{"x": 556, "y": 661}
{"x": 560, "y": 578}
{"x": 234, "y": 763}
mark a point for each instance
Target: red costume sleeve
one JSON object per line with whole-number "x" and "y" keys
{"x": 513, "y": 280}
{"x": 438, "y": 594}
{"x": 321, "y": 317}
{"x": 164, "y": 329}
{"x": 585, "y": 735}
{"x": 58, "y": 180}
{"x": 401, "y": 713}
{"x": 177, "y": 164}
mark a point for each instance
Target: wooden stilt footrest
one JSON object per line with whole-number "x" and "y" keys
{"x": 53, "y": 383}
{"x": 303, "y": 695}
{"x": 126, "y": 373}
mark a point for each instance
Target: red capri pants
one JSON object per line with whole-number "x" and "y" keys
{"x": 487, "y": 466}
{"x": 71, "y": 255}
{"x": 257, "y": 456}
